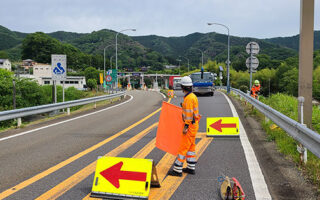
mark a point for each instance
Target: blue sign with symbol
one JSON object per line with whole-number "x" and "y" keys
{"x": 58, "y": 69}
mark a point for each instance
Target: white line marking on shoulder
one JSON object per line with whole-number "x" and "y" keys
{"x": 259, "y": 185}
{"x": 68, "y": 120}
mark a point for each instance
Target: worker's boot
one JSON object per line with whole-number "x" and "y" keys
{"x": 174, "y": 173}
{"x": 189, "y": 171}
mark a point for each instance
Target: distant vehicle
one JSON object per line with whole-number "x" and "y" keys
{"x": 203, "y": 83}
{"x": 176, "y": 83}
{"x": 171, "y": 80}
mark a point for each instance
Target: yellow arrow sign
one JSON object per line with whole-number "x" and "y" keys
{"x": 222, "y": 126}
{"x": 122, "y": 177}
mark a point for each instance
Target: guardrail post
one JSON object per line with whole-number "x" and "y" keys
{"x": 95, "y": 105}
{"x": 301, "y": 149}
{"x": 19, "y": 122}
{"x": 68, "y": 111}
{"x": 266, "y": 119}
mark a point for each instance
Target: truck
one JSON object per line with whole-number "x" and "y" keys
{"x": 176, "y": 83}
{"x": 203, "y": 83}
{"x": 171, "y": 80}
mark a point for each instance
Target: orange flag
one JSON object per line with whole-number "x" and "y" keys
{"x": 170, "y": 128}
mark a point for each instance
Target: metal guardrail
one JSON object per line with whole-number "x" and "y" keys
{"x": 23, "y": 112}
{"x": 307, "y": 137}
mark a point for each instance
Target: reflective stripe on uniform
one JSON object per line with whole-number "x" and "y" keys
{"x": 192, "y": 159}
{"x": 177, "y": 162}
{"x": 181, "y": 157}
{"x": 188, "y": 118}
{"x": 191, "y": 153}
{"x": 187, "y": 110}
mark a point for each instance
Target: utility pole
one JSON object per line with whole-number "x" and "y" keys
{"x": 14, "y": 93}
{"x": 306, "y": 59}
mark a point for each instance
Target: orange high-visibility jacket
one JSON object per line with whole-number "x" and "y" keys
{"x": 190, "y": 109}
{"x": 255, "y": 90}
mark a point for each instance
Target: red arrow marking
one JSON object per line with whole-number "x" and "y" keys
{"x": 114, "y": 173}
{"x": 218, "y": 125}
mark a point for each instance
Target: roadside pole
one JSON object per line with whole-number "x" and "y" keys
{"x": 306, "y": 59}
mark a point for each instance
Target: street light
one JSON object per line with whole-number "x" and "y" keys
{"x": 187, "y": 60}
{"x": 104, "y": 60}
{"x": 228, "y": 60}
{"x": 117, "y": 50}
{"x": 179, "y": 65}
{"x": 201, "y": 56}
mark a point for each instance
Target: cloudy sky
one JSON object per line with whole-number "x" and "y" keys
{"x": 250, "y": 18}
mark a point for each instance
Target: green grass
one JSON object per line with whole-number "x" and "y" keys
{"x": 288, "y": 105}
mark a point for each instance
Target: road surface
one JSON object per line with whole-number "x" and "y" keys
{"x": 58, "y": 162}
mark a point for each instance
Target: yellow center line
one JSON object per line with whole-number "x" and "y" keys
{"x": 141, "y": 154}
{"x": 171, "y": 183}
{"x": 45, "y": 173}
{"x": 73, "y": 180}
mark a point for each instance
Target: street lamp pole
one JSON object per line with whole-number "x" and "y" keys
{"x": 228, "y": 60}
{"x": 187, "y": 60}
{"x": 179, "y": 65}
{"x": 201, "y": 56}
{"x": 104, "y": 60}
{"x": 117, "y": 50}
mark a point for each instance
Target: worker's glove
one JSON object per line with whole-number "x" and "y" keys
{"x": 185, "y": 129}
{"x": 251, "y": 92}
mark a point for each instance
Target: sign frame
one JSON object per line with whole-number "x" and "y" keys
{"x": 59, "y": 67}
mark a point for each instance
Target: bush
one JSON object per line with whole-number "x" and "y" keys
{"x": 244, "y": 88}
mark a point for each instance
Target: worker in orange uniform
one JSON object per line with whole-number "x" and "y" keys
{"x": 191, "y": 118}
{"x": 170, "y": 92}
{"x": 255, "y": 90}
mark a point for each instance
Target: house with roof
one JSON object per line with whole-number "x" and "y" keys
{"x": 5, "y": 64}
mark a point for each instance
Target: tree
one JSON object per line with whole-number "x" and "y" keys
{"x": 92, "y": 83}
{"x": 4, "y": 55}
{"x": 91, "y": 73}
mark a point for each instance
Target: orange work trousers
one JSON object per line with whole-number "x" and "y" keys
{"x": 187, "y": 147}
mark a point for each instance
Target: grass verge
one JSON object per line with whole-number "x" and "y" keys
{"x": 288, "y": 106}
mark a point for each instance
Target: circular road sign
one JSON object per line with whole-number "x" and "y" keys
{"x": 254, "y": 62}
{"x": 252, "y": 47}
{"x": 108, "y": 78}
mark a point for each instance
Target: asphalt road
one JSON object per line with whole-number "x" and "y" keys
{"x": 25, "y": 159}
{"x": 24, "y": 156}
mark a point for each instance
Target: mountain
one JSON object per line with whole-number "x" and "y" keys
{"x": 140, "y": 50}
{"x": 214, "y": 46}
{"x": 293, "y": 41}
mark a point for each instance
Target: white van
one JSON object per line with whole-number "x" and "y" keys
{"x": 177, "y": 83}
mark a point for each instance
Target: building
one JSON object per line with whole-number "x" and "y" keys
{"x": 28, "y": 63}
{"x": 42, "y": 73}
{"x": 42, "y": 70}
{"x": 5, "y": 64}
{"x": 78, "y": 82}
{"x": 171, "y": 66}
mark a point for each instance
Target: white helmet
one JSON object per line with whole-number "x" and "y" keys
{"x": 186, "y": 81}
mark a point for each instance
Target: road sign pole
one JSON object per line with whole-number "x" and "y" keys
{"x": 63, "y": 92}
{"x": 55, "y": 91}
{"x": 250, "y": 68}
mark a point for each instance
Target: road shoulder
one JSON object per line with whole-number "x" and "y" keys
{"x": 283, "y": 178}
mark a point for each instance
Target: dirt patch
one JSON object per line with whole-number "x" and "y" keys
{"x": 283, "y": 178}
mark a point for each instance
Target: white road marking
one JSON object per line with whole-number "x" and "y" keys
{"x": 68, "y": 120}
{"x": 259, "y": 185}
{"x": 164, "y": 96}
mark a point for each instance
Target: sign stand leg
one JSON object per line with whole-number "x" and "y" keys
{"x": 154, "y": 177}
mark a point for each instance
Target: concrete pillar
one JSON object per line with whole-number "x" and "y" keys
{"x": 19, "y": 122}
{"x": 68, "y": 111}
{"x": 142, "y": 81}
{"x": 166, "y": 81}
{"x": 306, "y": 58}
{"x": 155, "y": 84}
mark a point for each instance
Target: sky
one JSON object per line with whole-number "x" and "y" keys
{"x": 245, "y": 18}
